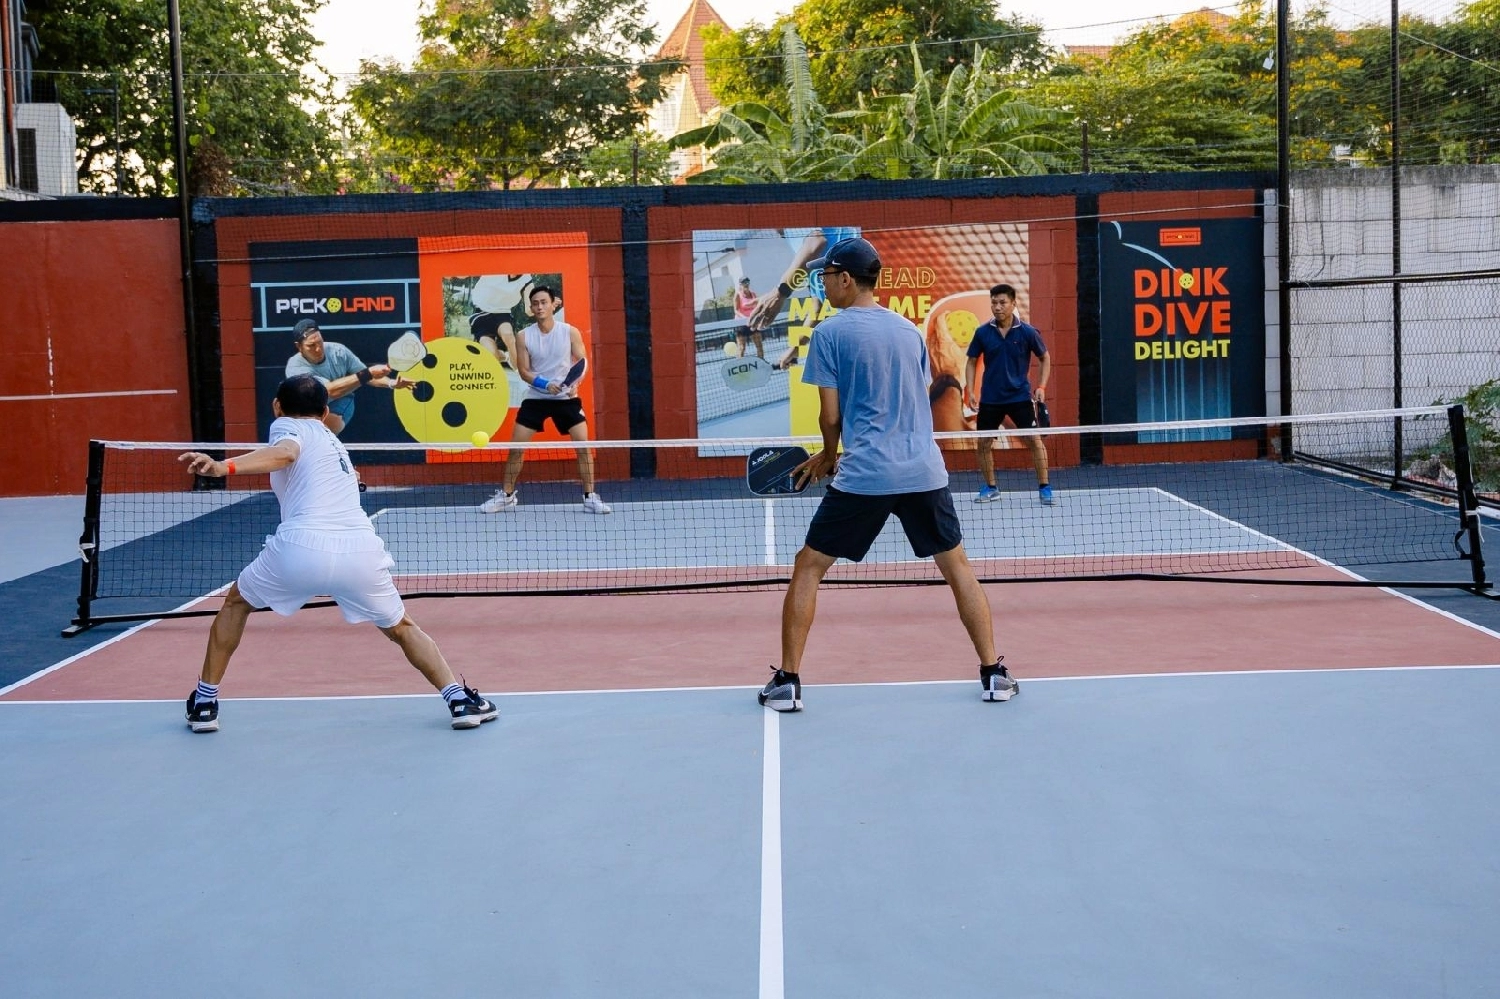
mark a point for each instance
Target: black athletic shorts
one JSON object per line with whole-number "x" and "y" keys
{"x": 846, "y": 523}
{"x": 565, "y": 414}
{"x": 1022, "y": 415}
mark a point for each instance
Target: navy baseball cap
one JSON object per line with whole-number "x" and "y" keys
{"x": 854, "y": 255}
{"x": 303, "y": 327}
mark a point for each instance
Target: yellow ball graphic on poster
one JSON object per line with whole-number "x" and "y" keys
{"x": 1185, "y": 280}
{"x": 959, "y": 324}
{"x": 460, "y": 391}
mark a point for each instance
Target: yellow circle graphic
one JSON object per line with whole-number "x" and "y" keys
{"x": 1185, "y": 280}
{"x": 334, "y": 305}
{"x": 959, "y": 324}
{"x": 460, "y": 390}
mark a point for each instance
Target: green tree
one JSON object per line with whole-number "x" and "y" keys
{"x": 505, "y": 94}
{"x": 253, "y": 93}
{"x": 753, "y": 143}
{"x": 1450, "y": 86}
{"x": 1189, "y": 95}
{"x": 860, "y": 48}
{"x": 970, "y": 126}
{"x": 641, "y": 159}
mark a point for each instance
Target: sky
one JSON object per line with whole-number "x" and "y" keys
{"x": 355, "y": 29}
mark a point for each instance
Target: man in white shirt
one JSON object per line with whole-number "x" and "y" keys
{"x": 545, "y": 352}
{"x": 324, "y": 544}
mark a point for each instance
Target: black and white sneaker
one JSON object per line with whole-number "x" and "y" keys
{"x": 202, "y": 716}
{"x": 997, "y": 683}
{"x": 783, "y": 693}
{"x": 473, "y": 710}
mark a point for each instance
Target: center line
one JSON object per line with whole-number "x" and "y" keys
{"x": 770, "y": 533}
{"x": 772, "y": 985}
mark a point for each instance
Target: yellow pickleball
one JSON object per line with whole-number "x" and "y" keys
{"x": 731, "y": 349}
{"x": 480, "y": 438}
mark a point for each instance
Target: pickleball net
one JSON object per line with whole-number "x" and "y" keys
{"x": 1369, "y": 498}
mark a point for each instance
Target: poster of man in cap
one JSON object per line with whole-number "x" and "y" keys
{"x": 340, "y": 369}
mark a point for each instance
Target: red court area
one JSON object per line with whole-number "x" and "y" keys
{"x": 872, "y": 635}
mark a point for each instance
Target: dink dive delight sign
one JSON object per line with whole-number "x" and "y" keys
{"x": 1182, "y": 320}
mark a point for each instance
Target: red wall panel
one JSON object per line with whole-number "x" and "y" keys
{"x": 95, "y": 345}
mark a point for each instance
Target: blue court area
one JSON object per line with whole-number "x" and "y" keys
{"x": 1309, "y": 834}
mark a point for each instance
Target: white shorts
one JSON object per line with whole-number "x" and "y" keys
{"x": 286, "y": 575}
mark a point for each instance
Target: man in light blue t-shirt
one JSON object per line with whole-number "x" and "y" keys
{"x": 338, "y": 369}
{"x": 872, "y": 373}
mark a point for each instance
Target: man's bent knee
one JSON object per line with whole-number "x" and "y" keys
{"x": 399, "y": 631}
{"x": 235, "y": 600}
{"x": 812, "y": 560}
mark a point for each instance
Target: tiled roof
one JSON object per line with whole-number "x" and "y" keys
{"x": 684, "y": 42}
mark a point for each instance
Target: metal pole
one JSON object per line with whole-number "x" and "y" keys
{"x": 1468, "y": 499}
{"x": 1085, "y": 148}
{"x": 1397, "y": 457}
{"x": 119, "y": 165}
{"x": 1284, "y": 215}
{"x": 184, "y": 220}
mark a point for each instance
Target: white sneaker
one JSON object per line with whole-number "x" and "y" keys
{"x": 593, "y": 504}
{"x": 500, "y": 502}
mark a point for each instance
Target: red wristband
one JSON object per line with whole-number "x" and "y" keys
{"x": 229, "y": 467}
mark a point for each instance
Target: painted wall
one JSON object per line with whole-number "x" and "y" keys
{"x": 94, "y": 347}
{"x": 91, "y": 301}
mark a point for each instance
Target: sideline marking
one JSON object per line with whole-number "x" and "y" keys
{"x": 1093, "y": 677}
{"x": 772, "y": 983}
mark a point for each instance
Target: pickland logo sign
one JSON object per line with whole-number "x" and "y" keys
{"x": 1181, "y": 320}
{"x": 324, "y": 306}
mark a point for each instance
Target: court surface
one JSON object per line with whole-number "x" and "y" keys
{"x": 1202, "y": 790}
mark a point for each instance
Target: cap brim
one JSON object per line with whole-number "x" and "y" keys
{"x": 817, "y": 265}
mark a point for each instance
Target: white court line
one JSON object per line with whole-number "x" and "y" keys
{"x": 770, "y": 556}
{"x": 772, "y": 969}
{"x": 1307, "y": 671}
{"x": 84, "y": 395}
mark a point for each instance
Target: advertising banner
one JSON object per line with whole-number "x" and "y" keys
{"x": 1182, "y": 322}
{"x": 467, "y": 298}
{"x": 750, "y": 338}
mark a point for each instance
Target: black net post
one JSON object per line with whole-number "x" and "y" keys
{"x": 88, "y": 541}
{"x": 1468, "y": 499}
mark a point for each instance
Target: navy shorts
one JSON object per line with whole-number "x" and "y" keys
{"x": 565, "y": 414}
{"x": 1022, "y": 415}
{"x": 846, "y": 524}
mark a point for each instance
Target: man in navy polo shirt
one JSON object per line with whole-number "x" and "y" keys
{"x": 1007, "y": 345}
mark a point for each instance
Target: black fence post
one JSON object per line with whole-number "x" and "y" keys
{"x": 1090, "y": 364}
{"x": 635, "y": 250}
{"x": 88, "y": 542}
{"x": 1468, "y": 499}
